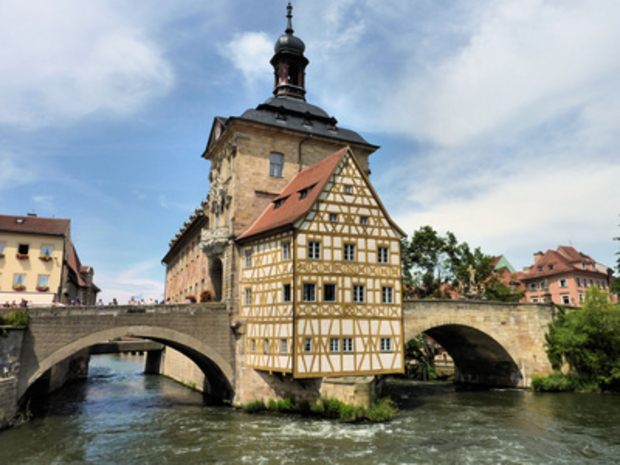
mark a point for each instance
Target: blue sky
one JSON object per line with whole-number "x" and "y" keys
{"x": 498, "y": 121}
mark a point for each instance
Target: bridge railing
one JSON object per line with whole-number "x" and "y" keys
{"x": 126, "y": 309}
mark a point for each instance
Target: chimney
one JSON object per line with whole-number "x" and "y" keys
{"x": 537, "y": 256}
{"x": 32, "y": 214}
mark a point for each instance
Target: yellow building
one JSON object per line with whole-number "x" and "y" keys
{"x": 321, "y": 281}
{"x": 39, "y": 264}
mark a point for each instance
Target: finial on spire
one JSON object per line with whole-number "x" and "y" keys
{"x": 289, "y": 15}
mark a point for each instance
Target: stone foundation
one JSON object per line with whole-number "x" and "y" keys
{"x": 178, "y": 367}
{"x": 354, "y": 390}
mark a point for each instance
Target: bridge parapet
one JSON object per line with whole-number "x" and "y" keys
{"x": 116, "y": 310}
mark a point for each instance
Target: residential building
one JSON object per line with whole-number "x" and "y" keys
{"x": 563, "y": 276}
{"x": 39, "y": 263}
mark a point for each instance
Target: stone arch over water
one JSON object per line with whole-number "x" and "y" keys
{"x": 478, "y": 358}
{"x": 219, "y": 373}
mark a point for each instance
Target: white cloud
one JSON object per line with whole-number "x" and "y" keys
{"x": 250, "y": 53}
{"x": 63, "y": 60}
{"x": 139, "y": 280}
{"x": 14, "y": 171}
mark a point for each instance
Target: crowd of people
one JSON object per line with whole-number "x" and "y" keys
{"x": 76, "y": 302}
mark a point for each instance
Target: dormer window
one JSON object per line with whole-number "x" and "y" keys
{"x": 540, "y": 268}
{"x": 551, "y": 267}
{"x": 278, "y": 203}
{"x": 303, "y": 194}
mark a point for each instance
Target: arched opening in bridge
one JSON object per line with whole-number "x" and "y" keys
{"x": 71, "y": 362}
{"x": 216, "y": 275}
{"x": 478, "y": 358}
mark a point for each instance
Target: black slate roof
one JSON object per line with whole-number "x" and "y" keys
{"x": 296, "y": 114}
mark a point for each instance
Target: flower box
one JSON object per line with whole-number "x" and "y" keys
{"x": 22, "y": 256}
{"x": 45, "y": 258}
{"x": 43, "y": 288}
{"x": 19, "y": 287}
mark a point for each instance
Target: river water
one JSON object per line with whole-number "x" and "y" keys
{"x": 120, "y": 415}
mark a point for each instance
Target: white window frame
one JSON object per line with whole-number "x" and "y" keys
{"x": 265, "y": 346}
{"x": 563, "y": 283}
{"x": 387, "y": 295}
{"x": 19, "y": 279}
{"x": 359, "y": 294}
{"x": 248, "y": 296}
{"x": 43, "y": 280}
{"x": 248, "y": 259}
{"x": 386, "y": 344}
{"x": 349, "y": 253}
{"x": 383, "y": 255}
{"x": 47, "y": 250}
{"x": 364, "y": 220}
{"x": 253, "y": 345}
{"x": 283, "y": 346}
{"x": 286, "y": 251}
{"x": 348, "y": 189}
{"x": 347, "y": 345}
{"x": 333, "y": 217}
{"x": 309, "y": 292}
{"x": 308, "y": 345}
{"x": 334, "y": 345}
{"x": 314, "y": 250}
{"x": 565, "y": 299}
{"x": 276, "y": 165}
{"x": 533, "y": 287}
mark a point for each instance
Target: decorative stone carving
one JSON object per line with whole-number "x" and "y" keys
{"x": 218, "y": 196}
{"x": 214, "y": 241}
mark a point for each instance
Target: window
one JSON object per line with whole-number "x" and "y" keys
{"x": 253, "y": 345}
{"x": 286, "y": 251}
{"x": 303, "y": 193}
{"x": 286, "y": 293}
{"x": 348, "y": 189}
{"x": 364, "y": 220}
{"x": 309, "y": 292}
{"x": 308, "y": 345}
{"x": 23, "y": 249}
{"x": 578, "y": 281}
{"x": 248, "y": 296}
{"x": 19, "y": 280}
{"x": 540, "y": 268}
{"x": 565, "y": 299}
{"x": 283, "y": 346}
{"x": 386, "y": 344}
{"x": 387, "y": 295}
{"x": 1, "y": 247}
{"x": 591, "y": 282}
{"x": 533, "y": 287}
{"x": 266, "y": 346}
{"x": 329, "y": 293}
{"x": 358, "y": 294}
{"x": 43, "y": 280}
{"x": 314, "y": 250}
{"x": 278, "y": 203}
{"x": 349, "y": 252}
{"x": 248, "y": 259}
{"x": 383, "y": 255}
{"x": 542, "y": 286}
{"x": 551, "y": 267}
{"x": 276, "y": 165}
{"x": 535, "y": 300}
{"x": 347, "y": 344}
{"x": 581, "y": 297}
{"x": 333, "y": 217}
{"x": 563, "y": 283}
{"x": 334, "y": 345}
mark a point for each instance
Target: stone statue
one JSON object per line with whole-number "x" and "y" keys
{"x": 217, "y": 196}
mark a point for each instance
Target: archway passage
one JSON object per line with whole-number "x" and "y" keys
{"x": 216, "y": 274}
{"x": 478, "y": 358}
{"x": 218, "y": 372}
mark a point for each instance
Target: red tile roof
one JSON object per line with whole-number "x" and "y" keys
{"x": 34, "y": 225}
{"x": 564, "y": 259}
{"x": 291, "y": 204}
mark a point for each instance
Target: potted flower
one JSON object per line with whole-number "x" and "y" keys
{"x": 206, "y": 296}
{"x": 22, "y": 256}
{"x": 43, "y": 288}
{"x": 19, "y": 287}
{"x": 45, "y": 258}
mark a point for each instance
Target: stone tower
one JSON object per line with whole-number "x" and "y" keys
{"x": 255, "y": 155}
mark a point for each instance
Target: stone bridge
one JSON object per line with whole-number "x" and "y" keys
{"x": 491, "y": 343}
{"x": 202, "y": 332}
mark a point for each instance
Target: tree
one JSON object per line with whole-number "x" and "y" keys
{"x": 436, "y": 266}
{"x": 588, "y": 340}
{"x": 615, "y": 285}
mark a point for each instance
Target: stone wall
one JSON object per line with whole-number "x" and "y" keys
{"x": 11, "y": 340}
{"x": 8, "y": 406}
{"x": 180, "y": 368}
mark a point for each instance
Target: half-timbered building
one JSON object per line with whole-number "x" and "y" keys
{"x": 321, "y": 277}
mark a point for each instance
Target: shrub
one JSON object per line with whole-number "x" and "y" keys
{"x": 253, "y": 407}
{"x": 18, "y": 317}
{"x": 382, "y": 410}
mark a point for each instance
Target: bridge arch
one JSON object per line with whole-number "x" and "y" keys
{"x": 217, "y": 370}
{"x": 478, "y": 357}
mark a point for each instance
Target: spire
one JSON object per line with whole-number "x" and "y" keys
{"x": 289, "y": 15}
{"x": 289, "y": 62}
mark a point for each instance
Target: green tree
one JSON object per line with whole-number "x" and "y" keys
{"x": 588, "y": 340}
{"x": 615, "y": 285}
{"x": 433, "y": 266}
{"x": 420, "y": 358}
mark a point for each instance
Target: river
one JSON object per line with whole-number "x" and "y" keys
{"x": 120, "y": 415}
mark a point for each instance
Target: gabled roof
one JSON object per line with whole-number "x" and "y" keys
{"x": 302, "y": 192}
{"x": 563, "y": 260}
{"x": 289, "y": 205}
{"x": 35, "y": 225}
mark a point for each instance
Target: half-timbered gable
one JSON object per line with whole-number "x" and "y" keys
{"x": 335, "y": 295}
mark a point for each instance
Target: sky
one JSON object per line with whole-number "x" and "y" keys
{"x": 498, "y": 121}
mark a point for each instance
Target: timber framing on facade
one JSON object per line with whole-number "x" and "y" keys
{"x": 321, "y": 277}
